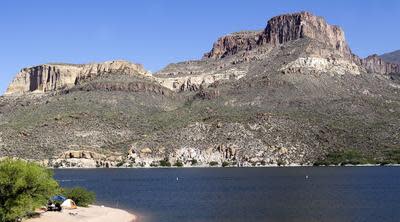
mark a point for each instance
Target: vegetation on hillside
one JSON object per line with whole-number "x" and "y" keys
{"x": 354, "y": 157}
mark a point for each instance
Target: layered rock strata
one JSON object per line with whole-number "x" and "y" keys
{"x": 52, "y": 77}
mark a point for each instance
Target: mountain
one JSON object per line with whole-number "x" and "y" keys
{"x": 392, "y": 57}
{"x": 291, "y": 93}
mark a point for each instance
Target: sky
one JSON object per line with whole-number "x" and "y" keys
{"x": 156, "y": 33}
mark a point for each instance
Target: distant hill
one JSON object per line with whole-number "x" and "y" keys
{"x": 392, "y": 57}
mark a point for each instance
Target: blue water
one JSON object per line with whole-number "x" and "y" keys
{"x": 330, "y": 194}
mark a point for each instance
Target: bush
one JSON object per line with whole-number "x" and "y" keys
{"x": 178, "y": 164}
{"x": 23, "y": 187}
{"x": 153, "y": 164}
{"x": 213, "y": 163}
{"x": 165, "y": 163}
{"x": 342, "y": 158}
{"x": 120, "y": 164}
{"x": 391, "y": 156}
{"x": 194, "y": 162}
{"x": 80, "y": 196}
{"x": 225, "y": 164}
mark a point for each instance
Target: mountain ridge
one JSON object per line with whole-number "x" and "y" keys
{"x": 291, "y": 93}
{"x": 391, "y": 57}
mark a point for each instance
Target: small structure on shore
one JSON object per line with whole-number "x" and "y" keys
{"x": 68, "y": 204}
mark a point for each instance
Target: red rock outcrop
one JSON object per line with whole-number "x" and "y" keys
{"x": 289, "y": 27}
{"x": 233, "y": 43}
{"x": 279, "y": 30}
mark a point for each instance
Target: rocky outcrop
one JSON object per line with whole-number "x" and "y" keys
{"x": 280, "y": 30}
{"x": 82, "y": 154}
{"x": 375, "y": 64}
{"x": 84, "y": 159}
{"x": 322, "y": 65}
{"x": 52, "y": 77}
{"x": 194, "y": 82}
{"x": 289, "y": 27}
{"x": 233, "y": 43}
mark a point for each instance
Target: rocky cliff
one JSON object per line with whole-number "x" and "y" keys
{"x": 290, "y": 43}
{"x": 52, "y": 77}
{"x": 289, "y": 27}
{"x": 279, "y": 30}
{"x": 375, "y": 64}
{"x": 233, "y": 43}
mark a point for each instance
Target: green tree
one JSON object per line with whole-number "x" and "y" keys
{"x": 165, "y": 162}
{"x": 80, "y": 196}
{"x": 178, "y": 164}
{"x": 24, "y": 186}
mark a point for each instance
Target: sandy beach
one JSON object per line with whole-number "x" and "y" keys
{"x": 89, "y": 214}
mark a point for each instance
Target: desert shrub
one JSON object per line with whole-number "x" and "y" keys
{"x": 345, "y": 157}
{"x": 178, "y": 164}
{"x": 153, "y": 164}
{"x": 225, "y": 164}
{"x": 120, "y": 164}
{"x": 391, "y": 156}
{"x": 165, "y": 163}
{"x": 24, "y": 186}
{"x": 81, "y": 196}
{"x": 213, "y": 163}
{"x": 194, "y": 162}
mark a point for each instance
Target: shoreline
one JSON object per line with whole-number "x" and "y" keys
{"x": 93, "y": 213}
{"x": 210, "y": 167}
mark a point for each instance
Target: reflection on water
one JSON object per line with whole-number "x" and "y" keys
{"x": 330, "y": 194}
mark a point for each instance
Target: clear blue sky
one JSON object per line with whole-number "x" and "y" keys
{"x": 155, "y": 32}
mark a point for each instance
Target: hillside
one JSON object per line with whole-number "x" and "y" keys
{"x": 292, "y": 93}
{"x": 392, "y": 57}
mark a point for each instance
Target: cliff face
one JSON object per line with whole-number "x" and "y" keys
{"x": 279, "y": 30}
{"x": 289, "y": 27}
{"x": 375, "y": 64}
{"x": 44, "y": 78}
{"x": 233, "y": 43}
{"x": 291, "y": 43}
{"x": 52, "y": 77}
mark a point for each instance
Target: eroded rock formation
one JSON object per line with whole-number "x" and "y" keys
{"x": 375, "y": 64}
{"x": 289, "y": 27}
{"x": 279, "y": 30}
{"x": 233, "y": 43}
{"x": 52, "y": 77}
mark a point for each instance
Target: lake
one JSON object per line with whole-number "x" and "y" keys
{"x": 330, "y": 194}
